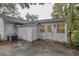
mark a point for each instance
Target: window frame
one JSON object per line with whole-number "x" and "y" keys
{"x": 42, "y": 28}
{"x": 60, "y": 29}
{"x": 49, "y": 28}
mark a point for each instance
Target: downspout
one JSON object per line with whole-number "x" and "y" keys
{"x": 37, "y": 25}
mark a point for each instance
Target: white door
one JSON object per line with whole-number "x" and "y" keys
{"x": 29, "y": 33}
{"x": 22, "y": 32}
{"x": 34, "y": 33}
{"x": 25, "y": 33}
{"x": 49, "y": 32}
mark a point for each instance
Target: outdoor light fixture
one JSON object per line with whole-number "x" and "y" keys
{"x": 54, "y": 25}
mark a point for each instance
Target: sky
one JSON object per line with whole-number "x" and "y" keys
{"x": 43, "y": 11}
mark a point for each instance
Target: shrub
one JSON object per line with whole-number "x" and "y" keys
{"x": 3, "y": 42}
{"x": 75, "y": 39}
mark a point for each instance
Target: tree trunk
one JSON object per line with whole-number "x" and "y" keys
{"x": 69, "y": 39}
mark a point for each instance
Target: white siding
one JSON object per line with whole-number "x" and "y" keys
{"x": 25, "y": 33}
{"x": 29, "y": 33}
{"x": 22, "y": 33}
{"x": 62, "y": 37}
{"x": 2, "y": 28}
{"x": 47, "y": 35}
{"x": 34, "y": 33}
{"x": 42, "y": 35}
{"x": 9, "y": 29}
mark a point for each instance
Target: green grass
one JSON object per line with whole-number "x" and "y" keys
{"x": 3, "y": 42}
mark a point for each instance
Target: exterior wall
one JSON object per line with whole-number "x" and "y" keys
{"x": 25, "y": 33}
{"x": 46, "y": 35}
{"x": 9, "y": 29}
{"x": 62, "y": 37}
{"x": 41, "y": 35}
{"x": 2, "y": 28}
{"x": 22, "y": 32}
{"x": 29, "y": 33}
{"x": 34, "y": 33}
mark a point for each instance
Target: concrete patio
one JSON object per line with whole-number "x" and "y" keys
{"x": 36, "y": 48}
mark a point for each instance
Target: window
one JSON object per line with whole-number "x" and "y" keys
{"x": 42, "y": 28}
{"x": 60, "y": 27}
{"x": 49, "y": 28}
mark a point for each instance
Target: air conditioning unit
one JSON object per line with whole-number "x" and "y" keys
{"x": 12, "y": 38}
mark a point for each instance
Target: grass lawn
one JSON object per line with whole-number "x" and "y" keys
{"x": 3, "y": 42}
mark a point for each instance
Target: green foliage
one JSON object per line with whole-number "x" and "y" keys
{"x": 69, "y": 12}
{"x": 75, "y": 39}
{"x": 77, "y": 7}
{"x": 11, "y": 9}
{"x": 3, "y": 42}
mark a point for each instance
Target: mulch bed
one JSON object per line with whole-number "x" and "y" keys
{"x": 66, "y": 45}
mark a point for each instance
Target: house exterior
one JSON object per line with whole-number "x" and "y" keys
{"x": 8, "y": 26}
{"x": 51, "y": 29}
